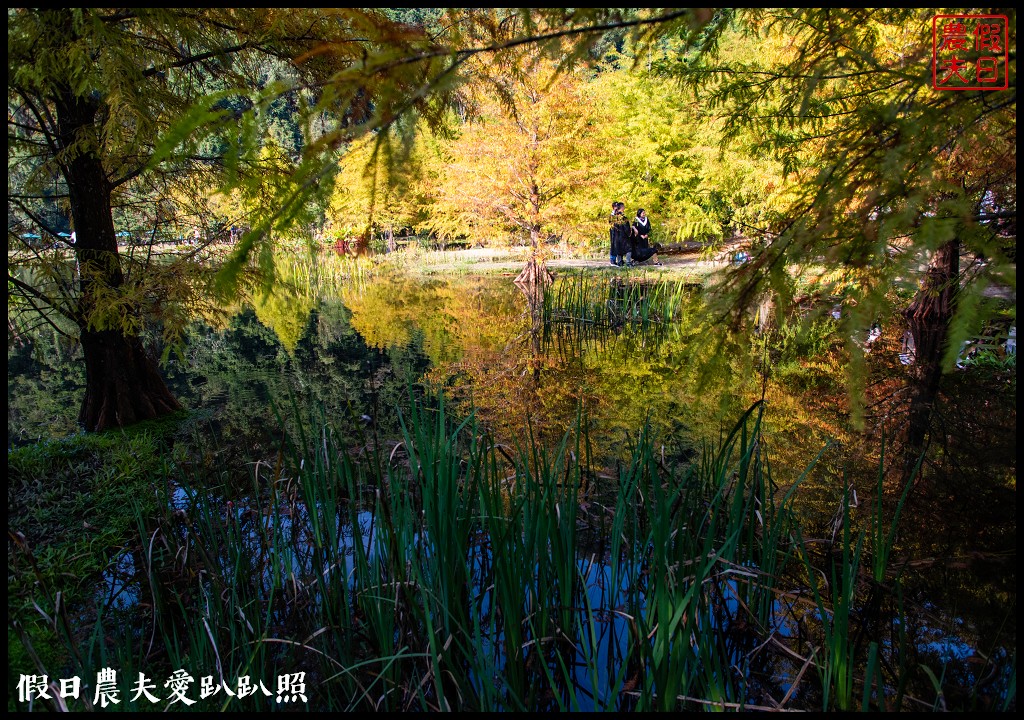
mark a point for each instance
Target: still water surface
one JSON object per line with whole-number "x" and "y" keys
{"x": 610, "y": 357}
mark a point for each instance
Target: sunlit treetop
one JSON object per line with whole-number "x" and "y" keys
{"x": 882, "y": 168}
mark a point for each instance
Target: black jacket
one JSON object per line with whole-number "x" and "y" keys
{"x": 619, "y": 233}
{"x": 641, "y": 231}
{"x": 642, "y": 250}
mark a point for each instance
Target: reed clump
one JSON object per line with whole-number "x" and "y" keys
{"x": 456, "y": 574}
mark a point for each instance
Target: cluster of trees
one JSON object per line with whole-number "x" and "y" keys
{"x": 816, "y": 132}
{"x": 141, "y": 116}
{"x": 536, "y": 151}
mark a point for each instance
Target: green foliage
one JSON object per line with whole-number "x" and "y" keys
{"x": 71, "y": 511}
{"x": 676, "y": 164}
{"x": 139, "y": 118}
{"x": 794, "y": 339}
{"x": 857, "y": 166}
{"x": 84, "y": 476}
{"x": 286, "y": 312}
{"x": 455, "y": 573}
{"x": 875, "y": 158}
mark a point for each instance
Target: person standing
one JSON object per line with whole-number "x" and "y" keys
{"x": 619, "y": 233}
{"x": 613, "y": 236}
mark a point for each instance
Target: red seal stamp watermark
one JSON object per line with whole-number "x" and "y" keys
{"x": 969, "y": 52}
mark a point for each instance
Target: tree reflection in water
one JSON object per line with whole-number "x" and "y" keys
{"x": 620, "y": 355}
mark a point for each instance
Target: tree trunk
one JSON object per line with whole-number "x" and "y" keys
{"x": 534, "y": 292}
{"x": 928, "y": 319}
{"x": 764, "y": 316}
{"x": 532, "y": 281}
{"x": 123, "y": 384}
{"x": 535, "y": 273}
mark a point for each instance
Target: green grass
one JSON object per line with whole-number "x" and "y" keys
{"x": 69, "y": 505}
{"x": 66, "y": 498}
{"x": 454, "y": 574}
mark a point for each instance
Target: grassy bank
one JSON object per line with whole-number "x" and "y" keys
{"x": 69, "y": 505}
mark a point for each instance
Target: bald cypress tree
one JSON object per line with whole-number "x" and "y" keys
{"x": 156, "y": 108}
{"x": 119, "y": 108}
{"x": 889, "y": 180}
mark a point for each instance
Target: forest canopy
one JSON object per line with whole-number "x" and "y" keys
{"x": 816, "y": 136}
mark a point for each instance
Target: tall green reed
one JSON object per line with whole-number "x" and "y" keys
{"x": 837, "y": 664}
{"x": 451, "y": 572}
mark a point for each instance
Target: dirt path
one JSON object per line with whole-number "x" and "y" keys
{"x": 504, "y": 261}
{"x": 511, "y": 261}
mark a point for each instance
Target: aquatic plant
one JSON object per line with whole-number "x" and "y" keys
{"x": 448, "y": 571}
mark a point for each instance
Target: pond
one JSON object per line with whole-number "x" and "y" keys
{"x": 626, "y": 368}
{"x": 358, "y": 355}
